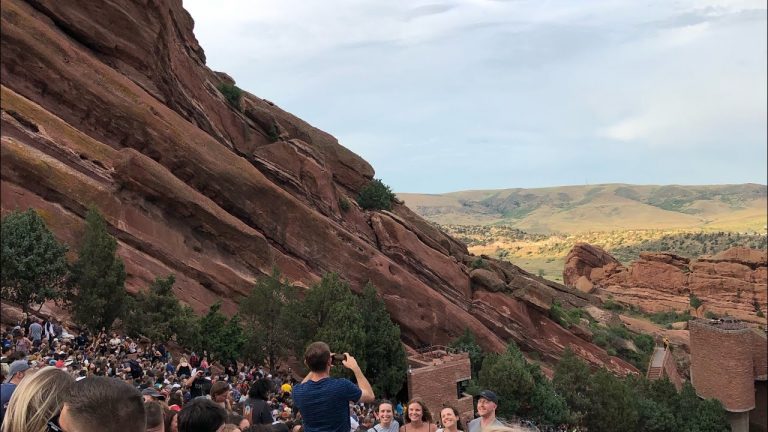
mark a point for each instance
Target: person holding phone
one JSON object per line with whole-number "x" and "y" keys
{"x": 199, "y": 384}
{"x": 324, "y": 401}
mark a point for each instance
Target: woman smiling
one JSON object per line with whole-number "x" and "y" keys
{"x": 418, "y": 418}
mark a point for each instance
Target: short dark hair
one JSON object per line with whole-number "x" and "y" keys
{"x": 106, "y": 404}
{"x": 154, "y": 414}
{"x": 201, "y": 415}
{"x": 316, "y": 356}
{"x": 260, "y": 389}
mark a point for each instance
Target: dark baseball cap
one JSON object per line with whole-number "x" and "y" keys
{"x": 489, "y": 395}
{"x": 150, "y": 391}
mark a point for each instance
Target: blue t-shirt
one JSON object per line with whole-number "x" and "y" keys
{"x": 6, "y": 391}
{"x": 324, "y": 404}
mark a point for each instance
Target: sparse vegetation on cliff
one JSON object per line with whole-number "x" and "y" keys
{"x": 232, "y": 94}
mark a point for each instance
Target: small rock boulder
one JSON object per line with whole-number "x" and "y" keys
{"x": 487, "y": 280}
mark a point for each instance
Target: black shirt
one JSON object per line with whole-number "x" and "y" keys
{"x": 200, "y": 387}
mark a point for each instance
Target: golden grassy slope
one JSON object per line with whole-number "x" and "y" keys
{"x": 576, "y": 209}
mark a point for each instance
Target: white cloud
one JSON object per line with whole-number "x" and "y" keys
{"x": 481, "y": 85}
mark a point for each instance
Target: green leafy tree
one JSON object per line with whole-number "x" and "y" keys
{"x": 547, "y": 406}
{"x": 571, "y": 380}
{"x": 701, "y": 415}
{"x": 611, "y": 404}
{"x": 655, "y": 416}
{"x": 376, "y": 196}
{"x": 331, "y": 313}
{"x": 343, "y": 331}
{"x": 384, "y": 354}
{"x": 263, "y": 315}
{"x": 99, "y": 277}
{"x": 508, "y": 375}
{"x": 308, "y": 316}
{"x": 34, "y": 267}
{"x": 221, "y": 337}
{"x": 155, "y": 313}
{"x": 468, "y": 344}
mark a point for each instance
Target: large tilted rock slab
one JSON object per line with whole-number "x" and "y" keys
{"x": 733, "y": 282}
{"x": 110, "y": 104}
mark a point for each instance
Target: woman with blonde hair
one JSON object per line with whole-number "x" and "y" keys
{"x": 38, "y": 398}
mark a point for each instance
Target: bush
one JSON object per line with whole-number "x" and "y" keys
{"x": 694, "y": 301}
{"x": 376, "y": 196}
{"x": 478, "y": 263}
{"x": 760, "y": 314}
{"x": 669, "y": 317}
{"x": 612, "y": 305}
{"x": 344, "y": 204}
{"x": 567, "y": 318}
{"x": 231, "y": 93}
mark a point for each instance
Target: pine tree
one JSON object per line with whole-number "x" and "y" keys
{"x": 263, "y": 313}
{"x": 98, "y": 276}
{"x": 34, "y": 267}
{"x": 612, "y": 404}
{"x": 329, "y": 313}
{"x": 571, "y": 380}
{"x": 155, "y": 313}
{"x": 468, "y": 344}
{"x": 384, "y": 354}
{"x": 508, "y": 375}
{"x": 221, "y": 337}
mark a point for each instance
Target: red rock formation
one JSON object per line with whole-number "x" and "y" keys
{"x": 111, "y": 105}
{"x": 731, "y": 282}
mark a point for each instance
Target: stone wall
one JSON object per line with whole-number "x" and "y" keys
{"x": 721, "y": 365}
{"x": 435, "y": 382}
{"x": 670, "y": 370}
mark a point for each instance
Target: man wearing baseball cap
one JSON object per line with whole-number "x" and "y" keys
{"x": 486, "y": 408}
{"x": 16, "y": 373}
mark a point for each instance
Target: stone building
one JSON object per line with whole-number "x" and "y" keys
{"x": 438, "y": 376}
{"x": 729, "y": 363}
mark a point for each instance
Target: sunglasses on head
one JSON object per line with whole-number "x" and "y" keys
{"x": 53, "y": 424}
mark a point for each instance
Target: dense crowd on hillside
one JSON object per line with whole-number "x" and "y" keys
{"x": 44, "y": 365}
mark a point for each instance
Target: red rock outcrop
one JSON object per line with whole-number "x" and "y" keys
{"x": 733, "y": 282}
{"x": 110, "y": 104}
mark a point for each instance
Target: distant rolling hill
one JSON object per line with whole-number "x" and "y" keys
{"x": 606, "y": 207}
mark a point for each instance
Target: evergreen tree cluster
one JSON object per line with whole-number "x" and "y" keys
{"x": 598, "y": 401}
{"x": 361, "y": 326}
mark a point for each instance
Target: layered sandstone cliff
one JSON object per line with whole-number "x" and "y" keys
{"x": 733, "y": 282}
{"x": 110, "y": 104}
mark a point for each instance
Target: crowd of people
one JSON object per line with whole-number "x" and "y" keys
{"x": 61, "y": 382}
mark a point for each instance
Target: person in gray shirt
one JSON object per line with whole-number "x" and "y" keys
{"x": 386, "y": 417}
{"x": 486, "y": 409}
{"x": 36, "y": 333}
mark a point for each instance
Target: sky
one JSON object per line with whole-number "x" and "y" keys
{"x": 447, "y": 95}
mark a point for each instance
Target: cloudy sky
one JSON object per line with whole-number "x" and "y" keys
{"x": 445, "y": 95}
